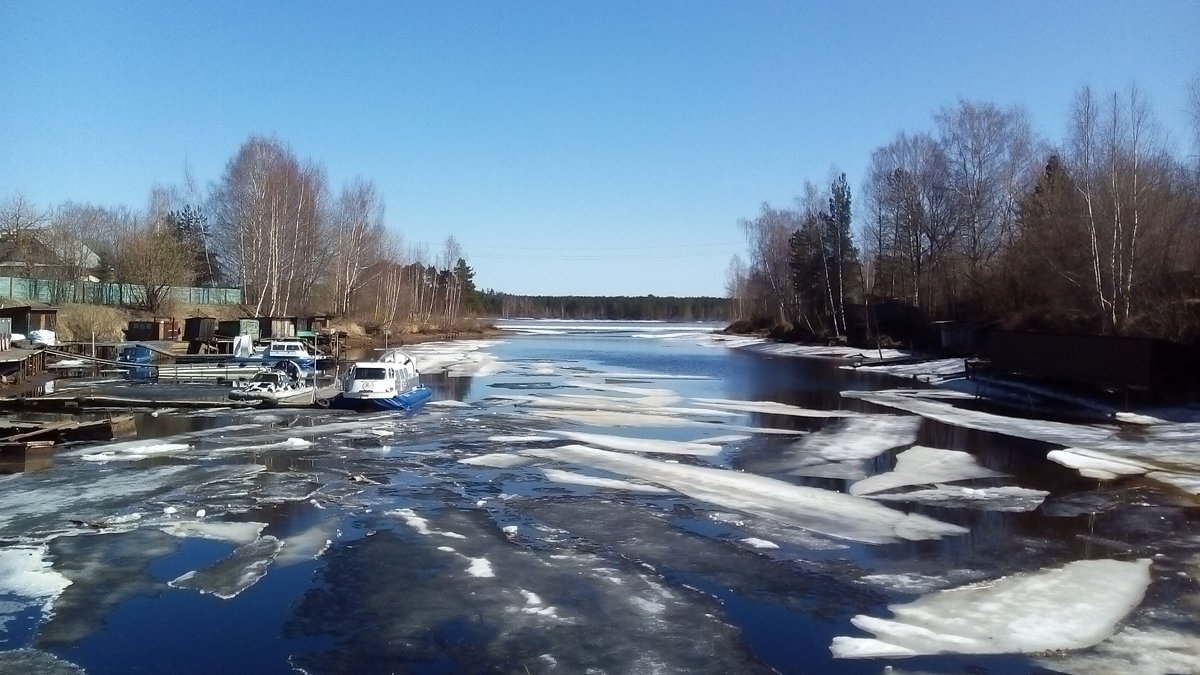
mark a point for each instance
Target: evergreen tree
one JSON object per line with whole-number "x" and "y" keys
{"x": 191, "y": 229}
{"x": 840, "y": 253}
{"x": 466, "y": 279}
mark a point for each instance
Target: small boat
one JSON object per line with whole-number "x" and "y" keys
{"x": 276, "y": 351}
{"x": 391, "y": 383}
{"x": 284, "y": 381}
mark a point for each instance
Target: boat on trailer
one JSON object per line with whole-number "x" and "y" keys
{"x": 390, "y": 383}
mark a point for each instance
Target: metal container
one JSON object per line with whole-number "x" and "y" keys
{"x": 199, "y": 328}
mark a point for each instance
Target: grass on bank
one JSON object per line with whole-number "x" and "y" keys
{"x": 79, "y": 323}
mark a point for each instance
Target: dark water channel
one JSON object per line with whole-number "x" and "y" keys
{"x": 277, "y": 541}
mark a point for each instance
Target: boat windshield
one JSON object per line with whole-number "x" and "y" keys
{"x": 370, "y": 374}
{"x": 273, "y": 378}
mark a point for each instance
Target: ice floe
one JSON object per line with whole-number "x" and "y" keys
{"x": 842, "y": 447}
{"x": 573, "y": 478}
{"x": 1149, "y": 651}
{"x": 480, "y": 567}
{"x": 651, "y": 445}
{"x": 459, "y": 358}
{"x": 1004, "y": 498}
{"x": 825, "y": 512}
{"x": 816, "y": 351}
{"x": 773, "y": 408}
{"x": 421, "y": 525}
{"x": 755, "y": 542}
{"x": 227, "y": 578}
{"x": 133, "y": 453}
{"x": 1095, "y": 464}
{"x": 236, "y": 532}
{"x": 1166, "y": 450}
{"x": 933, "y": 371}
{"x": 497, "y": 460}
{"x": 920, "y": 465}
{"x": 36, "y": 661}
{"x": 1069, "y": 607}
{"x": 606, "y": 418}
{"x": 308, "y": 544}
{"x": 25, "y": 572}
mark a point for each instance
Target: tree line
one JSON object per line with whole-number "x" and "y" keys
{"x": 270, "y": 226}
{"x": 635, "y": 308}
{"x": 980, "y": 220}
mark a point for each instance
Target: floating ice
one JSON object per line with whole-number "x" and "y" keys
{"x": 641, "y": 392}
{"x": 1095, "y": 464}
{"x": 133, "y": 453}
{"x": 841, "y": 448}
{"x": 141, "y": 448}
{"x": 1008, "y": 498}
{"x": 718, "y": 440}
{"x": 36, "y": 661}
{"x": 421, "y": 525}
{"x": 921, "y": 466}
{"x": 25, "y": 572}
{"x": 816, "y": 351}
{"x": 448, "y": 403}
{"x": 1069, "y": 607}
{"x": 572, "y": 478}
{"x": 1168, "y": 447}
{"x": 457, "y": 358}
{"x": 307, "y": 545}
{"x": 602, "y": 418}
{"x": 825, "y": 512}
{"x": 497, "y": 460}
{"x": 236, "y": 532}
{"x": 535, "y": 605}
{"x": 229, "y": 577}
{"x": 773, "y": 408}
{"x": 520, "y": 439}
{"x": 755, "y": 542}
{"x": 912, "y": 582}
{"x": 1146, "y": 651}
{"x": 626, "y": 444}
{"x": 858, "y": 438}
{"x": 480, "y": 567}
{"x": 934, "y": 371}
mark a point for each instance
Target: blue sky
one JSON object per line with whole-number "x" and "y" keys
{"x": 594, "y": 148}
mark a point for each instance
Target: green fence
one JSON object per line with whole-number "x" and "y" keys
{"x": 99, "y": 293}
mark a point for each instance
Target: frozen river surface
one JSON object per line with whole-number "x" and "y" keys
{"x": 598, "y": 498}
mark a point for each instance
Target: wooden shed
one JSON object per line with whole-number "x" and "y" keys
{"x": 26, "y": 318}
{"x": 277, "y": 327}
{"x": 151, "y": 330}
{"x": 236, "y": 327}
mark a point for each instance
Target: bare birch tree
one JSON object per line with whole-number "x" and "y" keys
{"x": 357, "y": 237}
{"x": 269, "y": 216}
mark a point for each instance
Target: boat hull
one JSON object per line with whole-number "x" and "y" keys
{"x": 409, "y": 401}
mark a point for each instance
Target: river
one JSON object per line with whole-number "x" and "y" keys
{"x": 592, "y": 497}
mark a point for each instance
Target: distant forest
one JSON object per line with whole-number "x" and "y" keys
{"x": 644, "y": 308}
{"x": 980, "y": 220}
